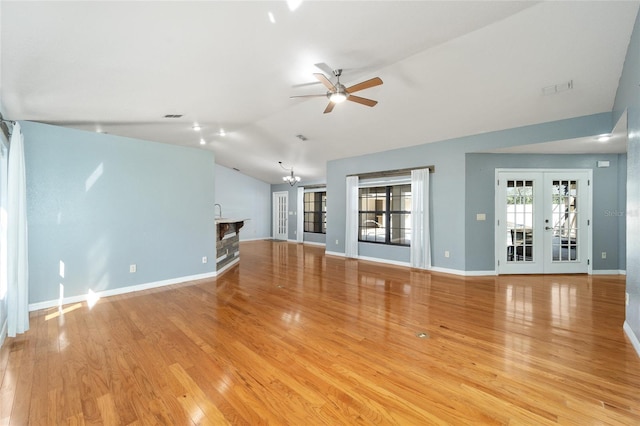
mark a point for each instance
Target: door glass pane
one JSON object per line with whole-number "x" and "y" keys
{"x": 519, "y": 221}
{"x": 564, "y": 220}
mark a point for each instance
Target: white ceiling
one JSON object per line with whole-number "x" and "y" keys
{"x": 450, "y": 69}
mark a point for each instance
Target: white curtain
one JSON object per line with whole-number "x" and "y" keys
{"x": 300, "y": 222}
{"x": 351, "y": 235}
{"x": 420, "y": 235}
{"x": 17, "y": 273}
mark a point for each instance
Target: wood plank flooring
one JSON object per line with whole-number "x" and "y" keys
{"x": 293, "y": 337}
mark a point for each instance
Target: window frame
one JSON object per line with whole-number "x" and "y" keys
{"x": 387, "y": 214}
{"x": 318, "y": 213}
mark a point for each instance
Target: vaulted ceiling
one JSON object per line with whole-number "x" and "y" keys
{"x": 450, "y": 69}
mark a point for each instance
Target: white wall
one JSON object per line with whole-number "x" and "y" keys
{"x": 243, "y": 197}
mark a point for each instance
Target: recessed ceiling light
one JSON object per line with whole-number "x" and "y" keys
{"x": 222, "y": 132}
{"x": 196, "y": 127}
{"x": 272, "y": 18}
{"x": 202, "y": 141}
{"x": 604, "y": 138}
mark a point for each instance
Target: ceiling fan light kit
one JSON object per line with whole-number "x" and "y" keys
{"x": 338, "y": 93}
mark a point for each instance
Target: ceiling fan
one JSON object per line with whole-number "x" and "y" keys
{"x": 338, "y": 93}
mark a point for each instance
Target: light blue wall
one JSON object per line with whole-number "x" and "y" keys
{"x": 99, "y": 203}
{"x": 480, "y": 190}
{"x": 448, "y": 193}
{"x": 628, "y": 98}
{"x": 244, "y": 197}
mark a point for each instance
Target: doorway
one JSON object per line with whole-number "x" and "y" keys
{"x": 543, "y": 221}
{"x": 280, "y": 215}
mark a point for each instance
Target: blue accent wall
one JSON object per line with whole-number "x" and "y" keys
{"x": 98, "y": 203}
{"x": 628, "y": 98}
{"x": 451, "y": 201}
{"x": 244, "y": 197}
{"x": 480, "y": 193}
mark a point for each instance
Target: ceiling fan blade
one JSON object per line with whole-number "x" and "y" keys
{"x": 329, "y": 107}
{"x": 324, "y": 68}
{"x": 376, "y": 81}
{"x": 308, "y": 96}
{"x": 324, "y": 80}
{"x": 363, "y": 101}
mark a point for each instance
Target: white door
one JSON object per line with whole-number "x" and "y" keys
{"x": 280, "y": 215}
{"x": 543, "y": 221}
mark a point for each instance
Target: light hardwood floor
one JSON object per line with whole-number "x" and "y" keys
{"x": 291, "y": 336}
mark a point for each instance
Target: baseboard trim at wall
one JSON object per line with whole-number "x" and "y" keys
{"x": 632, "y": 337}
{"x": 313, "y": 243}
{"x": 123, "y": 290}
{"x": 334, "y": 253}
{"x": 608, "y": 272}
{"x": 463, "y": 273}
{"x": 388, "y": 262}
{"x": 227, "y": 266}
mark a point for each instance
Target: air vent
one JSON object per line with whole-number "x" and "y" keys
{"x": 173, "y": 116}
{"x": 557, "y": 88}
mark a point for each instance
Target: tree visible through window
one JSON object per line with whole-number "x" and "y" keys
{"x": 385, "y": 214}
{"x": 315, "y": 212}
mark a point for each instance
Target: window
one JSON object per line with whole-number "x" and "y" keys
{"x": 315, "y": 212}
{"x": 385, "y": 214}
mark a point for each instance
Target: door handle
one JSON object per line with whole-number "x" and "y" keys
{"x": 548, "y": 228}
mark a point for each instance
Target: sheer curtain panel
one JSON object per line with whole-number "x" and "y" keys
{"x": 300, "y": 218}
{"x": 17, "y": 273}
{"x": 351, "y": 236}
{"x": 420, "y": 235}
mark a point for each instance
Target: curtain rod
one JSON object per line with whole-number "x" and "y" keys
{"x": 390, "y": 173}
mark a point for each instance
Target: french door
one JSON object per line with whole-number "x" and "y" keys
{"x": 280, "y": 215}
{"x": 543, "y": 221}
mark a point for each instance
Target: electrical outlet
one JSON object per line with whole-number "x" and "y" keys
{"x": 132, "y": 268}
{"x": 336, "y": 242}
{"x": 604, "y": 254}
{"x": 204, "y": 259}
{"x": 446, "y": 253}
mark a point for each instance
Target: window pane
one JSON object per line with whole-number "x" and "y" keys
{"x": 385, "y": 214}
{"x": 315, "y": 206}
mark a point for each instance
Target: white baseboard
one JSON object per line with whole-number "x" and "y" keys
{"x": 123, "y": 290}
{"x": 313, "y": 243}
{"x": 608, "y": 272}
{"x": 334, "y": 253}
{"x": 242, "y": 240}
{"x": 463, "y": 273}
{"x": 387, "y": 261}
{"x": 228, "y": 265}
{"x": 632, "y": 337}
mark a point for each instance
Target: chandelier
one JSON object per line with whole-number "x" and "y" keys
{"x": 291, "y": 179}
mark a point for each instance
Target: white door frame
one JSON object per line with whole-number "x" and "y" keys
{"x": 280, "y": 202}
{"x": 498, "y": 230}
